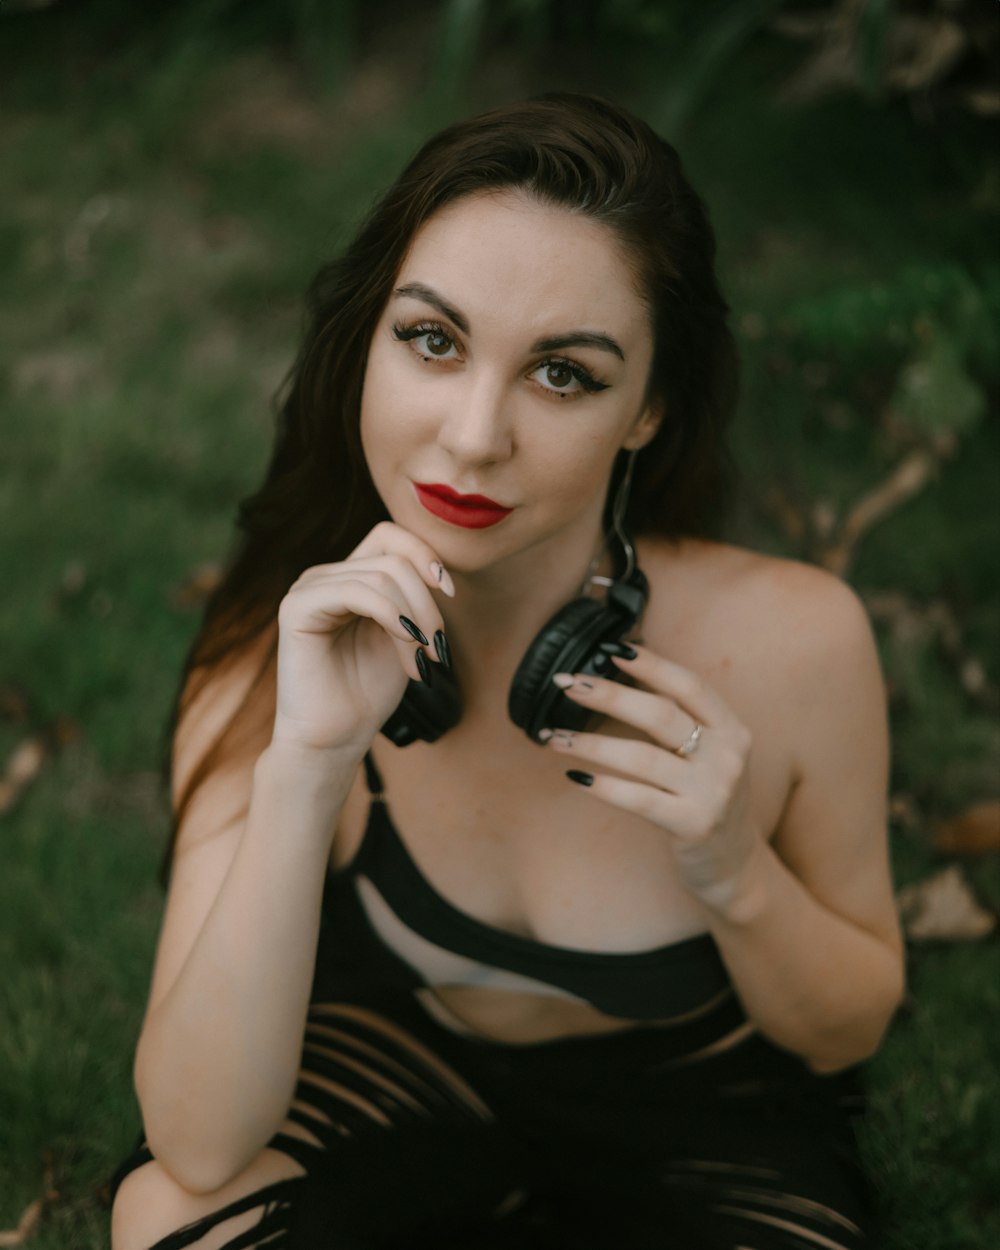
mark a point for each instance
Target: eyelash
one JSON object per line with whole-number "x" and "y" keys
{"x": 586, "y": 379}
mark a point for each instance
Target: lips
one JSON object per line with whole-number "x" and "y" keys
{"x": 468, "y": 511}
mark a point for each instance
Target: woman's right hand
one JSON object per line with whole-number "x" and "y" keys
{"x": 344, "y": 657}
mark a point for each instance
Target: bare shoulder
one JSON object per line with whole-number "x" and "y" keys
{"x": 788, "y": 645}
{"x": 809, "y": 624}
{"x": 788, "y": 613}
{"x": 790, "y": 649}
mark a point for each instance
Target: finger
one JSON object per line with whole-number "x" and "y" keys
{"x": 685, "y": 687}
{"x": 637, "y": 761}
{"x": 417, "y": 603}
{"x": 326, "y": 603}
{"x": 394, "y": 575}
{"x": 659, "y": 717}
{"x": 388, "y": 538}
{"x": 670, "y": 812}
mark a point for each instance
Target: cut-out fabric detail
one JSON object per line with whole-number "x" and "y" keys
{"x": 414, "y": 1139}
{"x": 384, "y": 890}
{"x": 687, "y": 1130}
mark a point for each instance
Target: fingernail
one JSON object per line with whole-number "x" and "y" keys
{"x": 565, "y": 680}
{"x": 621, "y": 649}
{"x": 413, "y": 630}
{"x": 544, "y": 735}
{"x": 424, "y": 669}
{"x": 442, "y": 649}
{"x": 443, "y": 578}
{"x": 581, "y": 779}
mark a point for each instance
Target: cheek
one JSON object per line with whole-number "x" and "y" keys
{"x": 379, "y": 397}
{"x": 574, "y": 475}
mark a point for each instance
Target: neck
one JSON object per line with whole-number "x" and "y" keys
{"x": 497, "y": 613}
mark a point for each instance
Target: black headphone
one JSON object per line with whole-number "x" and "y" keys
{"x": 569, "y": 642}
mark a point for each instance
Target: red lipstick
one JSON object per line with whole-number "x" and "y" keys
{"x": 469, "y": 511}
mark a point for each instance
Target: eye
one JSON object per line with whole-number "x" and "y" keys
{"x": 566, "y": 378}
{"x": 436, "y": 340}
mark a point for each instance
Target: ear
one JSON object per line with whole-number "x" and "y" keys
{"x": 644, "y": 427}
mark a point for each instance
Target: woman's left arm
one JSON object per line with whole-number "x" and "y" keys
{"x": 806, "y": 923}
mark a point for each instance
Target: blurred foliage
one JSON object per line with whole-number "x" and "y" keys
{"x": 873, "y": 46}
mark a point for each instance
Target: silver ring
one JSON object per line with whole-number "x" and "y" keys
{"x": 690, "y": 743}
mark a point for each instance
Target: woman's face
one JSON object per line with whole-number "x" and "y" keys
{"x": 510, "y": 362}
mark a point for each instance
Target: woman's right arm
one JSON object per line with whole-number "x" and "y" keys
{"x": 219, "y": 1052}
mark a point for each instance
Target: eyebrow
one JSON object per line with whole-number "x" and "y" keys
{"x": 574, "y": 338}
{"x": 579, "y": 338}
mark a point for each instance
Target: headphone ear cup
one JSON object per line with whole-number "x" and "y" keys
{"x": 567, "y": 643}
{"x": 425, "y": 712}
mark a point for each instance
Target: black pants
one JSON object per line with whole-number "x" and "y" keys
{"x": 697, "y": 1136}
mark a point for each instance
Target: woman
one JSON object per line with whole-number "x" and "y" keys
{"x": 511, "y": 939}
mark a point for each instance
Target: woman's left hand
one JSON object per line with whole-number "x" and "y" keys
{"x": 693, "y": 782}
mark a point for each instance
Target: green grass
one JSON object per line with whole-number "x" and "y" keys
{"x": 158, "y": 224}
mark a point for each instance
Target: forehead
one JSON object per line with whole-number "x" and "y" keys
{"x": 504, "y": 255}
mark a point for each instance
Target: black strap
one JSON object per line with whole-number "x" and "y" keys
{"x": 373, "y": 777}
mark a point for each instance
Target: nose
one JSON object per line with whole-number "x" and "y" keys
{"x": 477, "y": 427}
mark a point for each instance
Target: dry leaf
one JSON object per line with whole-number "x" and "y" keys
{"x": 943, "y": 908}
{"x": 972, "y": 832}
{"x": 25, "y": 761}
{"x": 23, "y": 765}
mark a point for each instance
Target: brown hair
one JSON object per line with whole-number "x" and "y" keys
{"x": 317, "y": 500}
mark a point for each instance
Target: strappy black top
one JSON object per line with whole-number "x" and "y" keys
{"x": 383, "y": 920}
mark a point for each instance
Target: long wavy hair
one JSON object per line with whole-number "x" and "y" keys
{"x": 317, "y": 500}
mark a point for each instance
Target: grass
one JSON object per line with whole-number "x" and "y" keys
{"x": 159, "y": 224}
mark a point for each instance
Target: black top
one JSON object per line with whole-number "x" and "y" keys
{"x": 693, "y": 1121}
{"x": 431, "y": 942}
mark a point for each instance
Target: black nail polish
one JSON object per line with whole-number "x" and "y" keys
{"x": 581, "y": 779}
{"x": 413, "y": 630}
{"x": 619, "y": 648}
{"x": 601, "y": 662}
{"x": 442, "y": 649}
{"x": 424, "y": 669}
